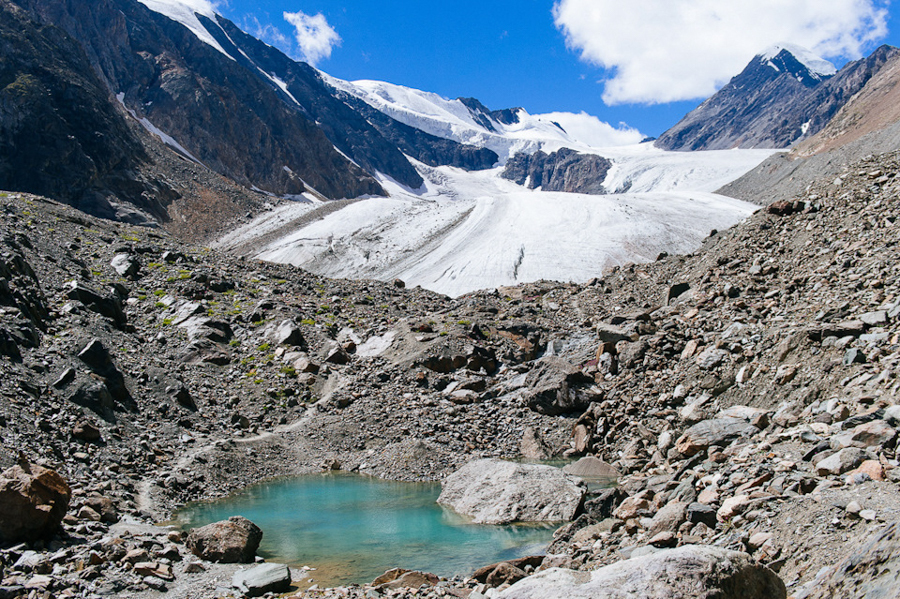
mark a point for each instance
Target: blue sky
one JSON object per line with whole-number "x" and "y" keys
{"x": 625, "y": 62}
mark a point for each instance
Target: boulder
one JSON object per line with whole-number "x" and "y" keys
{"x": 286, "y": 332}
{"x": 688, "y": 571}
{"x": 720, "y": 431}
{"x": 33, "y": 502}
{"x": 398, "y": 578}
{"x": 492, "y": 491}
{"x": 869, "y": 434}
{"x": 668, "y": 519}
{"x": 126, "y": 265}
{"x": 106, "y": 305}
{"x": 230, "y": 541}
{"x": 557, "y": 387}
{"x": 591, "y": 468}
{"x": 262, "y": 579}
{"x": 843, "y": 461}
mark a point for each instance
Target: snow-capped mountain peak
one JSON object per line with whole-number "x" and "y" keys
{"x": 467, "y": 121}
{"x": 787, "y": 57}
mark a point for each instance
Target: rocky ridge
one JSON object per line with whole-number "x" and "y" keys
{"x": 746, "y": 393}
{"x": 773, "y": 103}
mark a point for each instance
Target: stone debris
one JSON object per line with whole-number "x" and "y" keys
{"x": 745, "y": 395}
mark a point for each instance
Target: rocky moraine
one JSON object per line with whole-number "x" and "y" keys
{"x": 745, "y": 394}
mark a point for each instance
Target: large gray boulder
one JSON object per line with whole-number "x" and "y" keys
{"x": 698, "y": 572}
{"x": 262, "y": 579}
{"x": 493, "y": 491}
{"x": 230, "y": 541}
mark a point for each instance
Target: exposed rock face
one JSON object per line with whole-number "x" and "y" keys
{"x": 33, "y": 501}
{"x": 231, "y": 541}
{"x": 869, "y": 571}
{"x": 60, "y": 134}
{"x": 224, "y": 113}
{"x": 767, "y": 108}
{"x": 563, "y": 170}
{"x": 497, "y": 492}
{"x": 691, "y": 571}
{"x": 424, "y": 147}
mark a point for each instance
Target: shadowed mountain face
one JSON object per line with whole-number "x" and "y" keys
{"x": 60, "y": 134}
{"x": 773, "y": 103}
{"x": 221, "y": 112}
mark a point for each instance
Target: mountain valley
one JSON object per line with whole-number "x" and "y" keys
{"x": 222, "y": 266}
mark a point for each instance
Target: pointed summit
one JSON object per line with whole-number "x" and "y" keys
{"x": 808, "y": 68}
{"x": 782, "y": 95}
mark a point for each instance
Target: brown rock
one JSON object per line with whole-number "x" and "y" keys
{"x": 231, "y": 541}
{"x": 85, "y": 431}
{"x": 398, "y": 578}
{"x": 732, "y": 506}
{"x": 33, "y": 501}
{"x": 871, "y": 467}
{"x": 632, "y": 508}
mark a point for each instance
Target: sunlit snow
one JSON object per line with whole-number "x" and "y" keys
{"x": 816, "y": 64}
{"x": 185, "y": 12}
{"x": 451, "y": 119}
{"x": 475, "y": 230}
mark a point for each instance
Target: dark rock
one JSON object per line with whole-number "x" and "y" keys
{"x": 701, "y": 513}
{"x": 563, "y": 170}
{"x": 557, "y": 387}
{"x": 107, "y": 305}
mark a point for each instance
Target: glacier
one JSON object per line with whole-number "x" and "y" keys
{"x": 465, "y": 231}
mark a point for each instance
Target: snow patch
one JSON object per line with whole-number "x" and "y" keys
{"x": 185, "y": 12}
{"x": 816, "y": 64}
{"x": 451, "y": 119}
{"x": 165, "y": 137}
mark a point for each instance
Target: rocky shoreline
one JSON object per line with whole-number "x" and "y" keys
{"x": 746, "y": 393}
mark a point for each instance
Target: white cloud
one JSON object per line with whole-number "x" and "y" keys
{"x": 315, "y": 37}
{"x": 667, "y": 50}
{"x": 593, "y": 132}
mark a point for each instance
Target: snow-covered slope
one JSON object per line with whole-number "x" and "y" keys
{"x": 816, "y": 65}
{"x": 453, "y": 119}
{"x": 185, "y": 12}
{"x": 474, "y": 230}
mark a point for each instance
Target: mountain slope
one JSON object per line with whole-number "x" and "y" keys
{"x": 754, "y": 110}
{"x": 867, "y": 123}
{"x": 59, "y": 133}
{"x": 775, "y": 102}
{"x": 219, "y": 111}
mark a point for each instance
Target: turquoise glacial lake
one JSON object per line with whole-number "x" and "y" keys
{"x": 352, "y": 528}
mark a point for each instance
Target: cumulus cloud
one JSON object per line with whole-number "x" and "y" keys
{"x": 666, "y": 50}
{"x": 315, "y": 37}
{"x": 593, "y": 132}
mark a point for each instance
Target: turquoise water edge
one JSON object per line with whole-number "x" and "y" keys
{"x": 351, "y": 528}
